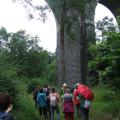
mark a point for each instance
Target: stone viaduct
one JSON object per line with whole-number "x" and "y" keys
{"x": 75, "y": 29}
{"x": 72, "y": 55}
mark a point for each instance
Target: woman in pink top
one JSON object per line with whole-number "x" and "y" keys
{"x": 68, "y": 107}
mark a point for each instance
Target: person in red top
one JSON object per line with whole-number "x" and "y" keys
{"x": 86, "y": 96}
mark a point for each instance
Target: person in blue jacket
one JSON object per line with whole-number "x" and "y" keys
{"x": 42, "y": 103}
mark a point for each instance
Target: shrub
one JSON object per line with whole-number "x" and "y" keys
{"x": 36, "y": 83}
{"x": 6, "y": 85}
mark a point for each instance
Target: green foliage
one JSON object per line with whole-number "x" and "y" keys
{"x": 105, "y": 105}
{"x": 3, "y": 38}
{"x": 118, "y": 20}
{"x": 26, "y": 109}
{"x": 23, "y": 66}
{"x": 31, "y": 86}
{"x": 52, "y": 73}
{"x": 7, "y": 67}
{"x": 105, "y": 60}
{"x": 22, "y": 56}
{"x": 105, "y": 25}
{"x": 36, "y": 82}
{"x": 36, "y": 64}
{"x": 7, "y": 85}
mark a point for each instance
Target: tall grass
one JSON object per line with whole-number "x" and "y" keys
{"x": 24, "y": 104}
{"x": 106, "y": 105}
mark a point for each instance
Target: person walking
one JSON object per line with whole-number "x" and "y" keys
{"x": 54, "y": 99}
{"x": 63, "y": 89}
{"x": 47, "y": 90}
{"x": 84, "y": 111}
{"x": 85, "y": 96}
{"x": 68, "y": 106}
{"x": 42, "y": 103}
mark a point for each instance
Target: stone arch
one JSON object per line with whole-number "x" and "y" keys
{"x": 112, "y": 5}
{"x": 70, "y": 68}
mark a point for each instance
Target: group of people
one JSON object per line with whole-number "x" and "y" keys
{"x": 72, "y": 101}
{"x": 76, "y": 100}
{"x": 46, "y": 101}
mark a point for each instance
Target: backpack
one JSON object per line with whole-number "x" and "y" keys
{"x": 87, "y": 104}
{"x": 53, "y": 99}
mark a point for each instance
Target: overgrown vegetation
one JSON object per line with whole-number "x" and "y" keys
{"x": 24, "y": 64}
{"x": 105, "y": 57}
{"x": 106, "y": 104}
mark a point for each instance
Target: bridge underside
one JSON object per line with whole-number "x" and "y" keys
{"x": 112, "y": 5}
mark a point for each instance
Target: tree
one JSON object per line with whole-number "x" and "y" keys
{"x": 105, "y": 59}
{"x": 18, "y": 46}
{"x": 3, "y": 38}
{"x": 37, "y": 62}
{"x": 7, "y": 85}
{"x": 105, "y": 25}
{"x": 22, "y": 55}
{"x": 51, "y": 70}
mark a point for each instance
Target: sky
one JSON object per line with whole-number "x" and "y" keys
{"x": 14, "y": 18}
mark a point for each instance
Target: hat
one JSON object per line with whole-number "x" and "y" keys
{"x": 64, "y": 85}
{"x": 76, "y": 85}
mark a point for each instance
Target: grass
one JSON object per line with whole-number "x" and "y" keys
{"x": 106, "y": 105}
{"x": 24, "y": 109}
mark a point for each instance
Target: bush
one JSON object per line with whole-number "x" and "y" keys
{"x": 105, "y": 105}
{"x": 26, "y": 110}
{"x": 36, "y": 83}
{"x": 6, "y": 85}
